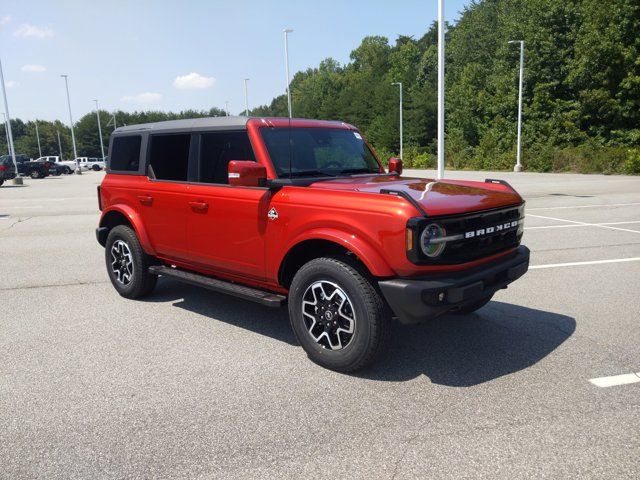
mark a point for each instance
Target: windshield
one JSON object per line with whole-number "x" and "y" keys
{"x": 318, "y": 152}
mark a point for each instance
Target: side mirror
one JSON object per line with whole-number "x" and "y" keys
{"x": 246, "y": 173}
{"x": 395, "y": 166}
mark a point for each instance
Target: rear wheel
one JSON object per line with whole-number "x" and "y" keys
{"x": 472, "y": 307}
{"x": 1, "y": 182}
{"x": 67, "y": 170}
{"x": 34, "y": 174}
{"x": 96, "y": 168}
{"x": 337, "y": 315}
{"x": 128, "y": 264}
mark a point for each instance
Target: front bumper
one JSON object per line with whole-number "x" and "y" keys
{"x": 417, "y": 299}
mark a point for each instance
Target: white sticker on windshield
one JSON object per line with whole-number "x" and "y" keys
{"x": 357, "y": 135}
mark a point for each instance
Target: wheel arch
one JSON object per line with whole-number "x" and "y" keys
{"x": 323, "y": 243}
{"x": 124, "y": 215}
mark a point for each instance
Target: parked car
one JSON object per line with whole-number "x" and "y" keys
{"x": 302, "y": 213}
{"x": 31, "y": 168}
{"x": 91, "y": 163}
{"x": 55, "y": 169}
{"x": 68, "y": 166}
{"x": 7, "y": 169}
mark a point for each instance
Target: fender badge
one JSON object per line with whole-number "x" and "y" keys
{"x": 273, "y": 214}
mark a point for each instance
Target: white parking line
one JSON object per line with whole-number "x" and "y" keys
{"x": 592, "y": 262}
{"x": 585, "y": 224}
{"x": 614, "y": 380}
{"x": 581, "y": 225}
{"x": 585, "y": 206}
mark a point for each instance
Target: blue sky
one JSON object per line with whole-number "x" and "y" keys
{"x": 178, "y": 55}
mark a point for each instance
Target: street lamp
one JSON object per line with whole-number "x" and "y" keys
{"x": 6, "y": 131}
{"x": 400, "y": 85}
{"x": 441, "y": 28}
{"x": 38, "y": 137}
{"x": 246, "y": 98}
{"x": 99, "y": 129}
{"x": 518, "y": 166}
{"x": 73, "y": 137}
{"x": 226, "y": 103}
{"x": 17, "y": 180}
{"x": 286, "y": 32}
{"x": 59, "y": 145}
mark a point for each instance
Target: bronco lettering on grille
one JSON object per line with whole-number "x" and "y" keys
{"x": 485, "y": 231}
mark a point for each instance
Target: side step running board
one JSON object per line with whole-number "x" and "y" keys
{"x": 253, "y": 294}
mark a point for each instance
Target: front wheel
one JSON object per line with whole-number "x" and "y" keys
{"x": 337, "y": 315}
{"x": 67, "y": 170}
{"x": 96, "y": 168}
{"x": 128, "y": 264}
{"x": 34, "y": 174}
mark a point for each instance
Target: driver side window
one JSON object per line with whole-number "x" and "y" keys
{"x": 217, "y": 150}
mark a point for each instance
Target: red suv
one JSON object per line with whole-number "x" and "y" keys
{"x": 302, "y": 212}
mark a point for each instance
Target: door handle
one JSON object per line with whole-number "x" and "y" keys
{"x": 145, "y": 199}
{"x": 200, "y": 207}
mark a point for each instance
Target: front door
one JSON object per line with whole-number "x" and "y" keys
{"x": 164, "y": 195}
{"x": 226, "y": 224}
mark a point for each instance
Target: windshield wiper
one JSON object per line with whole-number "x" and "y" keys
{"x": 311, "y": 173}
{"x": 356, "y": 170}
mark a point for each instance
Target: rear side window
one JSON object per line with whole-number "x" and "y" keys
{"x": 217, "y": 150}
{"x": 125, "y": 153}
{"x": 169, "y": 157}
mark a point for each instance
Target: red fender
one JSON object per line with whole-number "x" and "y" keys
{"x": 136, "y": 221}
{"x": 359, "y": 246}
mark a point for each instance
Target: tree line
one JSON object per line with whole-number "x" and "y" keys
{"x": 85, "y": 130}
{"x": 581, "y": 91}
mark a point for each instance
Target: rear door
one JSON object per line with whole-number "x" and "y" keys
{"x": 226, "y": 224}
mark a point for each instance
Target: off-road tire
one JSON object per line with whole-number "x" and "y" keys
{"x": 371, "y": 329}
{"x": 472, "y": 307}
{"x": 142, "y": 282}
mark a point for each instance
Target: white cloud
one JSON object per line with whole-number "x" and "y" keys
{"x": 193, "y": 80}
{"x": 146, "y": 97}
{"x": 4, "y": 19}
{"x": 12, "y": 84}
{"x": 32, "y": 68}
{"x": 28, "y": 30}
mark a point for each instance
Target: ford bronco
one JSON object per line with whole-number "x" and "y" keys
{"x": 302, "y": 213}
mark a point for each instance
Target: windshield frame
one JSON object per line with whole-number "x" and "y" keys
{"x": 320, "y": 174}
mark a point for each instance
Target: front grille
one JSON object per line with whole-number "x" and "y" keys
{"x": 473, "y": 246}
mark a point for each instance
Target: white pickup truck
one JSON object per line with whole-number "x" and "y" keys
{"x": 69, "y": 165}
{"x": 91, "y": 163}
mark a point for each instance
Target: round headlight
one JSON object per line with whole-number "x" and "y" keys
{"x": 432, "y": 240}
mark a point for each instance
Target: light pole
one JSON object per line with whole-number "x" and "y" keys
{"x": 73, "y": 137}
{"x": 518, "y": 166}
{"x": 38, "y": 137}
{"x": 441, "y": 27}
{"x": 246, "y": 98}
{"x": 226, "y": 103}
{"x": 6, "y": 131}
{"x": 287, "y": 31}
{"x": 17, "y": 180}
{"x": 99, "y": 128}
{"x": 59, "y": 144}
{"x": 400, "y": 85}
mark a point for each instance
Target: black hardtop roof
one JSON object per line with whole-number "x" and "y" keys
{"x": 199, "y": 124}
{"x": 189, "y": 124}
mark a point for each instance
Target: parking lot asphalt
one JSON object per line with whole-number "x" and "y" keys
{"x": 192, "y": 384}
